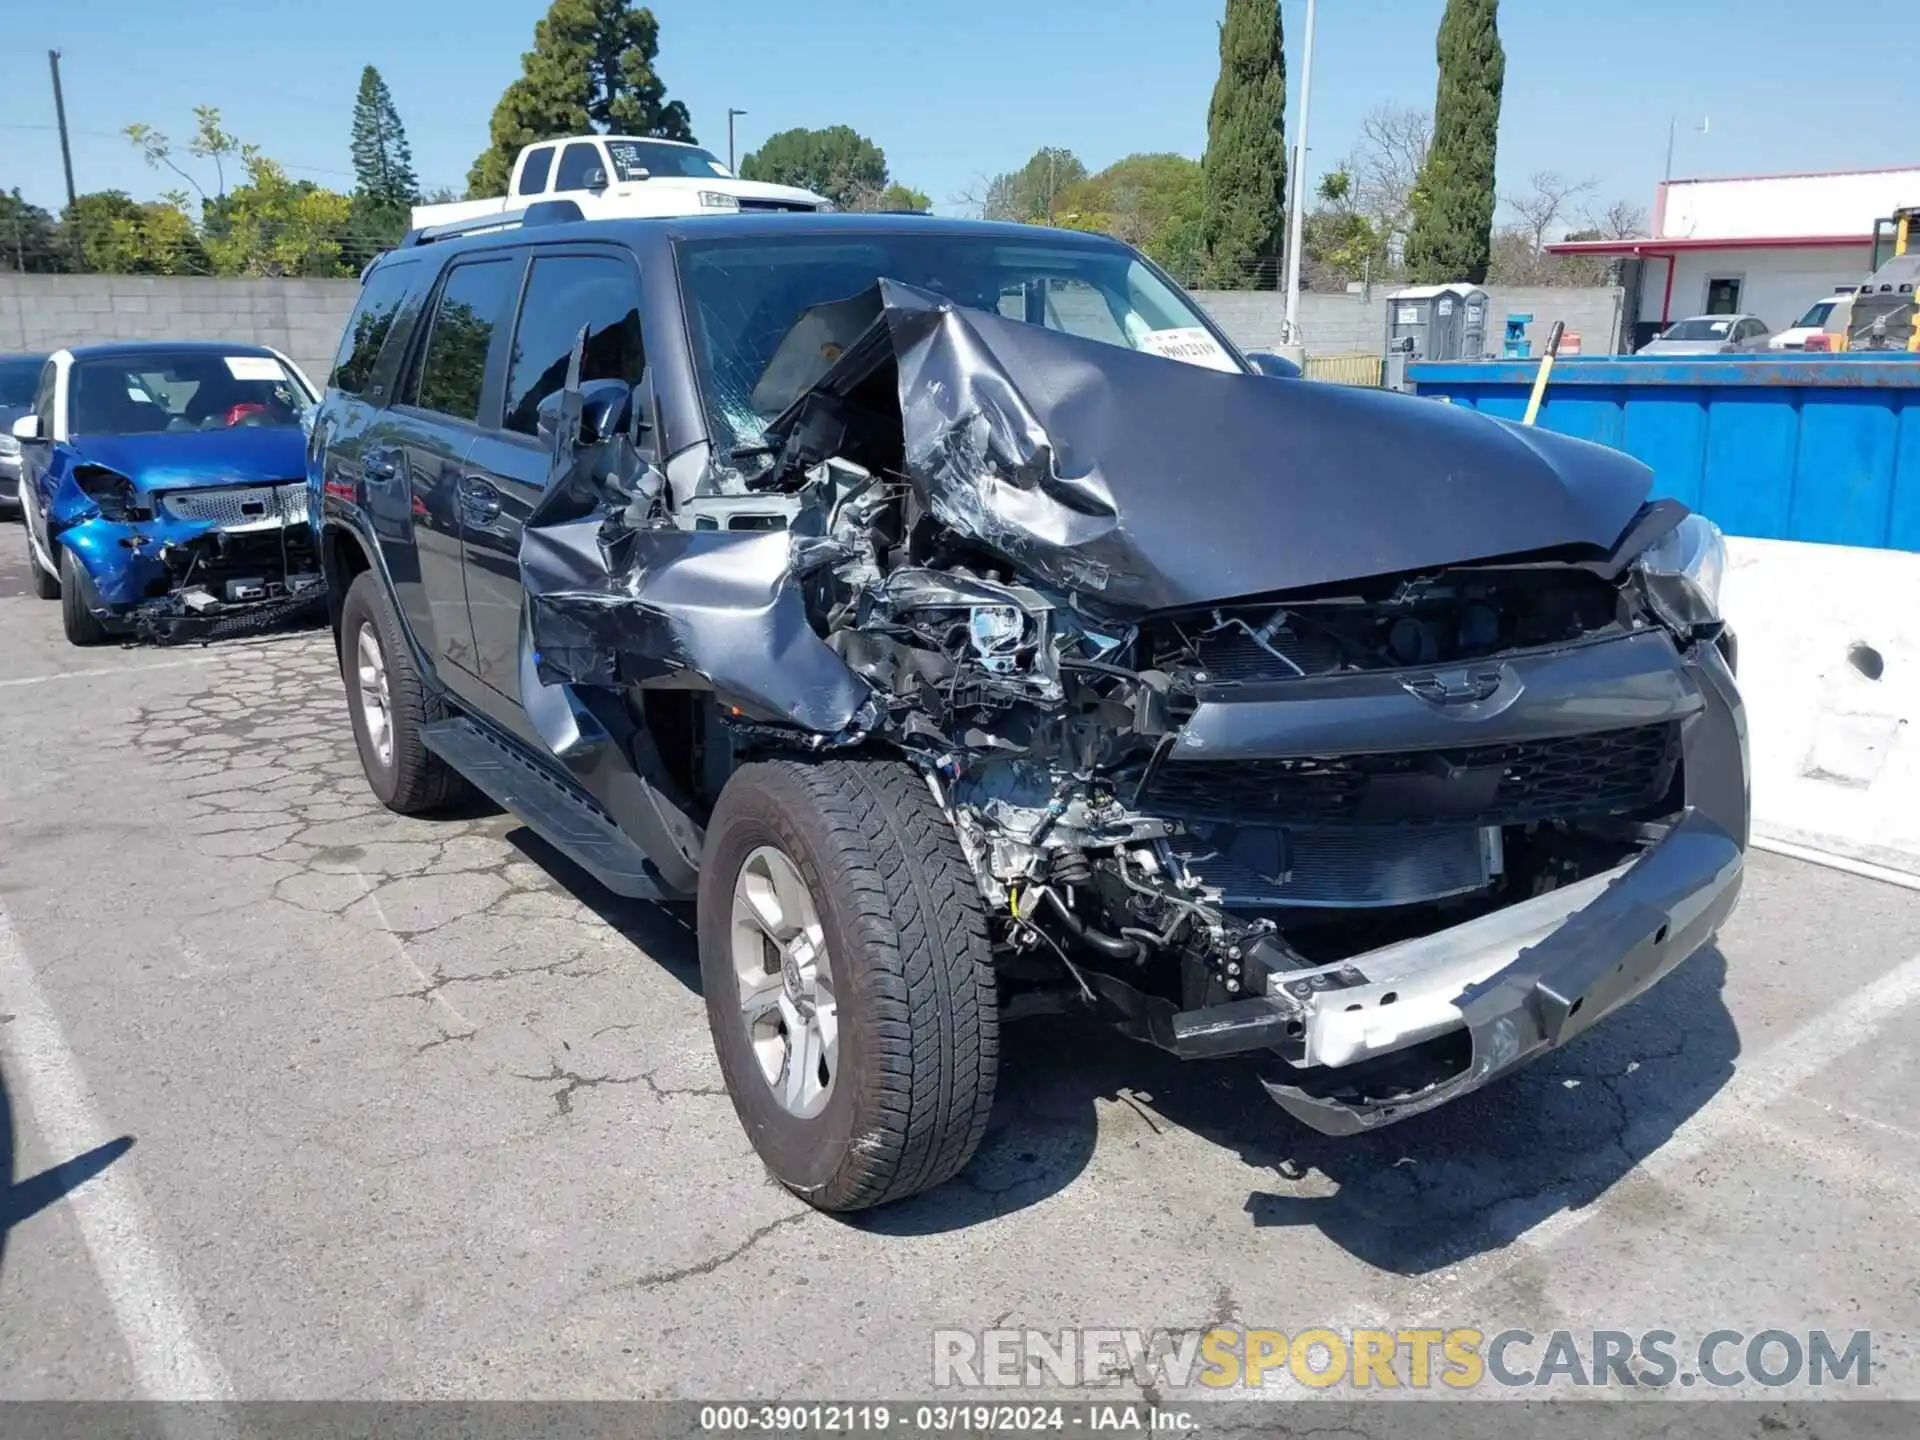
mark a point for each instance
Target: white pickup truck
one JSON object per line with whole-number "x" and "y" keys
{"x": 612, "y": 176}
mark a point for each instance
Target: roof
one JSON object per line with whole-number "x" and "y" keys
{"x": 789, "y": 223}
{"x": 1652, "y": 245}
{"x": 772, "y": 224}
{"x": 111, "y": 348}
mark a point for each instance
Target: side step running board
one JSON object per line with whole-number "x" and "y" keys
{"x": 554, "y": 811}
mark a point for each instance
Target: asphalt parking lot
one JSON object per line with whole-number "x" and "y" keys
{"x": 307, "y": 1100}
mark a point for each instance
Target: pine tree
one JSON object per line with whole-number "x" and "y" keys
{"x": 591, "y": 68}
{"x": 1244, "y": 174}
{"x": 382, "y": 161}
{"x": 1452, "y": 236}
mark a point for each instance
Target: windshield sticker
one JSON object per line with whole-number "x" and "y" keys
{"x": 1718, "y": 327}
{"x": 1191, "y": 344}
{"x": 254, "y": 367}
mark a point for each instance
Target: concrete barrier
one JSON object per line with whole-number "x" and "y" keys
{"x": 1830, "y": 669}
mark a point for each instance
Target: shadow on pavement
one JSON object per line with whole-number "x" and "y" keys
{"x": 1411, "y": 1198}
{"x": 664, "y": 933}
{"x": 22, "y": 1201}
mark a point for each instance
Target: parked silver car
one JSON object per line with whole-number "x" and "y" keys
{"x": 18, "y": 375}
{"x": 1710, "y": 335}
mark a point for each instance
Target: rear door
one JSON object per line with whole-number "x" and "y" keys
{"x": 449, "y": 398}
{"x": 508, "y": 468}
{"x": 351, "y": 451}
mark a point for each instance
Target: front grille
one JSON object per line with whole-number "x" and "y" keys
{"x": 791, "y": 207}
{"x": 1614, "y": 772}
{"x": 1346, "y": 869}
{"x": 239, "y": 507}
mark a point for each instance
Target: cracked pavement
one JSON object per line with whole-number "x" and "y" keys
{"x": 420, "y": 1111}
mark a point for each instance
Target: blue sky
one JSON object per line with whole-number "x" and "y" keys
{"x": 953, "y": 89}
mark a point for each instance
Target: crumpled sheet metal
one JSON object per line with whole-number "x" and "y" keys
{"x": 611, "y": 605}
{"x": 1141, "y": 483}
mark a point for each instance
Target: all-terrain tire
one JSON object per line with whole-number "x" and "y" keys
{"x": 905, "y": 931}
{"x": 83, "y": 627}
{"x": 45, "y": 586}
{"x": 410, "y": 779}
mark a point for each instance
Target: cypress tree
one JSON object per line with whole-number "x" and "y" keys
{"x": 382, "y": 160}
{"x": 1452, "y": 236}
{"x": 1244, "y": 174}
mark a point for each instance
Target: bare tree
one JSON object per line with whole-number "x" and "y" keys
{"x": 1622, "y": 220}
{"x": 1549, "y": 197}
{"x": 1386, "y": 164}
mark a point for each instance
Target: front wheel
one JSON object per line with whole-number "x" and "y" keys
{"x": 848, "y": 979}
{"x": 75, "y": 588}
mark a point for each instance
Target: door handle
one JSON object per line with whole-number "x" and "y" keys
{"x": 479, "y": 501}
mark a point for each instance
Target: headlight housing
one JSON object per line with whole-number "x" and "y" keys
{"x": 112, "y": 494}
{"x": 718, "y": 200}
{"x": 1682, "y": 571}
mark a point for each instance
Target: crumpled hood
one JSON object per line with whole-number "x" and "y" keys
{"x": 1143, "y": 483}
{"x": 240, "y": 456}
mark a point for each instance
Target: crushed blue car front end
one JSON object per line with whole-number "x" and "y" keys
{"x": 186, "y": 536}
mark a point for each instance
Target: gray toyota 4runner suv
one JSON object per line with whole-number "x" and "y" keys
{"x": 968, "y": 629}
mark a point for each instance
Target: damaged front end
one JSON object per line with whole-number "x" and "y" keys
{"x": 186, "y": 562}
{"x": 1389, "y": 741}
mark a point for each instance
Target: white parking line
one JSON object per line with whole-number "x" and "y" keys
{"x": 1789, "y": 1062}
{"x": 109, "y": 670}
{"x": 155, "y": 1317}
{"x": 1866, "y": 869}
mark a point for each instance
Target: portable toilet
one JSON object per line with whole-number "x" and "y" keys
{"x": 1517, "y": 346}
{"x": 1445, "y": 322}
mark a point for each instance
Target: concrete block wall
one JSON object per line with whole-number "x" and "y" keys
{"x": 303, "y": 319}
{"x": 1353, "y": 324}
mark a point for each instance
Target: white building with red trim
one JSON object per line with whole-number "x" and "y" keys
{"x": 1767, "y": 245}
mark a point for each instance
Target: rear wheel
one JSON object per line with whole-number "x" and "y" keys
{"x": 75, "y": 589}
{"x": 46, "y": 585}
{"x": 389, "y": 704}
{"x": 848, "y": 979}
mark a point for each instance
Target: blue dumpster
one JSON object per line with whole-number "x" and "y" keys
{"x": 1823, "y": 449}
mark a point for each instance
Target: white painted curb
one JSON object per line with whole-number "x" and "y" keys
{"x": 1836, "y": 764}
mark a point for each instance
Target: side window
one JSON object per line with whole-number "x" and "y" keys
{"x": 369, "y": 326}
{"x": 577, "y": 162}
{"x": 533, "y": 175}
{"x": 476, "y": 300}
{"x": 564, "y": 293}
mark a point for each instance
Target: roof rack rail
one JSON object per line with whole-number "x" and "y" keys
{"x": 541, "y": 212}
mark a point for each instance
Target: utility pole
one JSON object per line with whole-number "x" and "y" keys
{"x": 730, "y": 114}
{"x": 66, "y": 151}
{"x": 1298, "y": 189}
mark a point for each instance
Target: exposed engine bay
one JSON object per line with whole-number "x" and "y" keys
{"x": 1202, "y": 768}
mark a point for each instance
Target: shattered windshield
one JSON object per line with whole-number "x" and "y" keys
{"x": 769, "y": 315}
{"x": 638, "y": 159}
{"x": 158, "y": 393}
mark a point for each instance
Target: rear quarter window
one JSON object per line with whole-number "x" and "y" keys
{"x": 371, "y": 326}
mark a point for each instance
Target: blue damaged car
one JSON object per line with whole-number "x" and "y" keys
{"x": 162, "y": 493}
